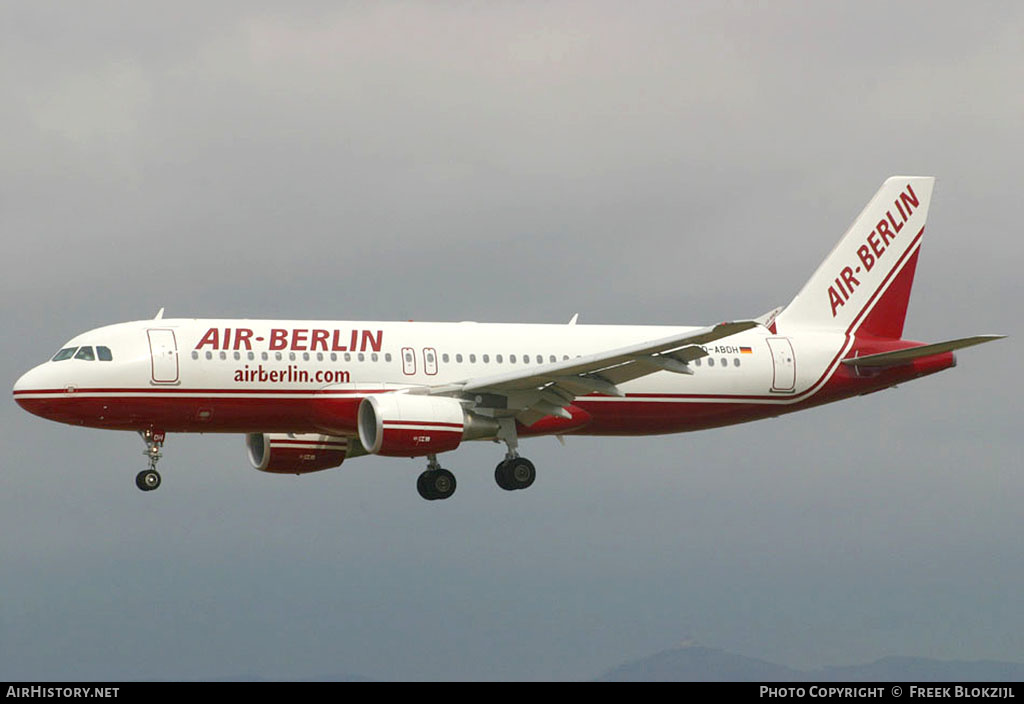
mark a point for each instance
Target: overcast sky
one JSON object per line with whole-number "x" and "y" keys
{"x": 669, "y": 163}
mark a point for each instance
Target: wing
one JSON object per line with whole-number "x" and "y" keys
{"x": 546, "y": 389}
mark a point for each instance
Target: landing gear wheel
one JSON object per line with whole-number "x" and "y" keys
{"x": 443, "y": 484}
{"x": 147, "y": 480}
{"x": 521, "y": 473}
{"x": 515, "y": 473}
{"x": 501, "y": 476}
{"x": 436, "y": 484}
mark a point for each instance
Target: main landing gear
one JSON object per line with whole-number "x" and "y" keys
{"x": 513, "y": 472}
{"x": 149, "y": 479}
{"x": 436, "y": 482}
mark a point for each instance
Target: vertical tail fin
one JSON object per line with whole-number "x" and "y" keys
{"x": 864, "y": 284}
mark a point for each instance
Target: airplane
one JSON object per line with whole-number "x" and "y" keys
{"x": 309, "y": 395}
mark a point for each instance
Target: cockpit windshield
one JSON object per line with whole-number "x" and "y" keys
{"x": 84, "y": 353}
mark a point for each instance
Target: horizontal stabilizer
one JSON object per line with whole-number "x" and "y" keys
{"x": 892, "y": 359}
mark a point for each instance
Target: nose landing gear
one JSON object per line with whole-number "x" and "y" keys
{"x": 149, "y": 479}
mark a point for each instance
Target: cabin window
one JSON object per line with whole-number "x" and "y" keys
{"x": 319, "y": 356}
{"x": 305, "y": 356}
{"x": 85, "y": 353}
{"x": 66, "y": 353}
{"x": 725, "y": 362}
{"x": 103, "y": 354}
{"x": 472, "y": 359}
{"x": 374, "y": 357}
{"x": 711, "y": 361}
{"x": 552, "y": 359}
{"x": 497, "y": 358}
{"x": 736, "y": 361}
{"x": 251, "y": 356}
{"x": 195, "y": 355}
{"x": 526, "y": 359}
{"x": 512, "y": 358}
{"x": 444, "y": 358}
{"x": 362, "y": 357}
{"x": 387, "y": 356}
{"x": 209, "y": 354}
{"x": 487, "y": 359}
{"x": 237, "y": 355}
{"x": 277, "y": 356}
{"x": 458, "y": 358}
{"x": 264, "y": 356}
{"x": 696, "y": 362}
{"x": 348, "y": 356}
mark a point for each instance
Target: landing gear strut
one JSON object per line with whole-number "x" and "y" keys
{"x": 514, "y": 472}
{"x": 436, "y": 482}
{"x": 149, "y": 479}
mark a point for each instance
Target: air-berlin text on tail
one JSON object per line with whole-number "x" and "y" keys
{"x": 874, "y": 248}
{"x": 297, "y": 339}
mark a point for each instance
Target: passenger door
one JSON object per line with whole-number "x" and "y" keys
{"x": 163, "y": 350}
{"x": 783, "y": 364}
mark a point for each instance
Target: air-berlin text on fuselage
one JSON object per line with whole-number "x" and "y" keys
{"x": 874, "y": 248}
{"x": 295, "y": 339}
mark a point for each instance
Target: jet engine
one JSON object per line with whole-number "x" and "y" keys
{"x": 408, "y": 425}
{"x": 287, "y": 453}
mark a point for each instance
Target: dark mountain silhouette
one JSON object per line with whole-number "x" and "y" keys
{"x": 696, "y": 663}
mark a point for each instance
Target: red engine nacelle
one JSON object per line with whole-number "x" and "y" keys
{"x": 404, "y": 425}
{"x": 282, "y": 453}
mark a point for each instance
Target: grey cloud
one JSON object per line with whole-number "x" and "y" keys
{"x": 665, "y": 163}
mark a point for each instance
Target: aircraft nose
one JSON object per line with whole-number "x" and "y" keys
{"x": 27, "y": 382}
{"x": 34, "y": 392}
{"x": 23, "y": 382}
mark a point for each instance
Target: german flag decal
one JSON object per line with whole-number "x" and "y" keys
{"x": 746, "y": 350}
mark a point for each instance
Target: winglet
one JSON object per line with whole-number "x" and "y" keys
{"x": 575, "y": 317}
{"x": 159, "y": 315}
